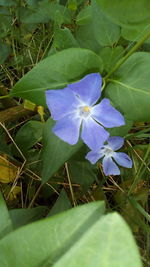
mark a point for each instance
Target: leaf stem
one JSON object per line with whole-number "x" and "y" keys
{"x": 4, "y": 96}
{"x": 123, "y": 59}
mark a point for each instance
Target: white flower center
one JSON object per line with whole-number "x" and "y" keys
{"x": 85, "y": 111}
{"x": 108, "y": 152}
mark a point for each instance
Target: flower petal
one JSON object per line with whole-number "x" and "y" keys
{"x": 88, "y": 89}
{"x": 107, "y": 115}
{"x": 110, "y": 167}
{"x": 68, "y": 129}
{"x": 123, "y": 159}
{"x": 94, "y": 156}
{"x": 93, "y": 134}
{"x": 115, "y": 142}
{"x": 61, "y": 102}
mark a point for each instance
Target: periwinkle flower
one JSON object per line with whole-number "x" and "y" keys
{"x": 110, "y": 156}
{"x": 74, "y": 109}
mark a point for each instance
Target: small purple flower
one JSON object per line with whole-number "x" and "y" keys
{"x": 74, "y": 107}
{"x": 109, "y": 154}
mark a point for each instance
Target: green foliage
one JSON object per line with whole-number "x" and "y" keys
{"x": 106, "y": 32}
{"x": 45, "y": 242}
{"x": 110, "y": 56}
{"x": 63, "y": 38}
{"x": 127, "y": 13}
{"x": 54, "y": 148}
{"x": 130, "y": 93}
{"x": 30, "y": 133}
{"x": 20, "y": 217}
{"x": 4, "y": 52}
{"x": 54, "y": 72}
{"x": 62, "y": 203}
{"x": 44, "y": 45}
{"x": 5, "y": 221}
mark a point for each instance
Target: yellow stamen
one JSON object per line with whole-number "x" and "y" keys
{"x": 86, "y": 109}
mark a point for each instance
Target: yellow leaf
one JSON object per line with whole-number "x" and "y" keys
{"x": 8, "y": 171}
{"x": 29, "y": 105}
{"x": 13, "y": 195}
{"x": 40, "y": 110}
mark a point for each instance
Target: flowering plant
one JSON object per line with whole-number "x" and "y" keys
{"x": 76, "y": 110}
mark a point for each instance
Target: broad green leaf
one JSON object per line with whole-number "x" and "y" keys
{"x": 85, "y": 16}
{"x": 21, "y": 217}
{"x": 56, "y": 71}
{"x": 63, "y": 38}
{"x": 106, "y": 32}
{"x": 129, "y": 89}
{"x": 5, "y": 221}
{"x": 108, "y": 243}
{"x": 28, "y": 135}
{"x": 135, "y": 34}
{"x": 51, "y": 238}
{"x": 127, "y": 13}
{"x": 82, "y": 173}
{"x": 62, "y": 203}
{"x": 55, "y": 151}
{"x": 110, "y": 56}
{"x": 86, "y": 38}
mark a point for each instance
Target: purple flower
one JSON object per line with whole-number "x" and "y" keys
{"x": 74, "y": 109}
{"x": 109, "y": 154}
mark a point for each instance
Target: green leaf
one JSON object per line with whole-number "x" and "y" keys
{"x": 46, "y": 243}
{"x": 5, "y": 221}
{"x": 129, "y": 89}
{"x": 106, "y": 32}
{"x": 45, "y": 11}
{"x": 127, "y": 13}
{"x": 63, "y": 38}
{"x": 135, "y": 34}
{"x": 110, "y": 56}
{"x": 86, "y": 38}
{"x": 7, "y": 2}
{"x": 62, "y": 203}
{"x": 55, "y": 151}
{"x": 21, "y": 217}
{"x": 5, "y": 25}
{"x": 28, "y": 135}
{"x": 56, "y": 71}
{"x": 83, "y": 173}
{"x": 119, "y": 248}
{"x": 85, "y": 16}
{"x": 122, "y": 130}
{"x": 51, "y": 238}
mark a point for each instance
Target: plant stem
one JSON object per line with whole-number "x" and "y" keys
{"x": 4, "y": 96}
{"x": 133, "y": 49}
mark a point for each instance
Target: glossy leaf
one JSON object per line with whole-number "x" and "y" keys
{"x": 83, "y": 243}
{"x": 110, "y": 56}
{"x": 63, "y": 38}
{"x": 129, "y": 89}
{"x": 127, "y": 13}
{"x": 33, "y": 244}
{"x": 55, "y": 151}
{"x": 54, "y": 72}
{"x": 106, "y": 32}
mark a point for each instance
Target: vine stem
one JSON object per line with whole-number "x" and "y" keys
{"x": 4, "y": 96}
{"x": 122, "y": 60}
